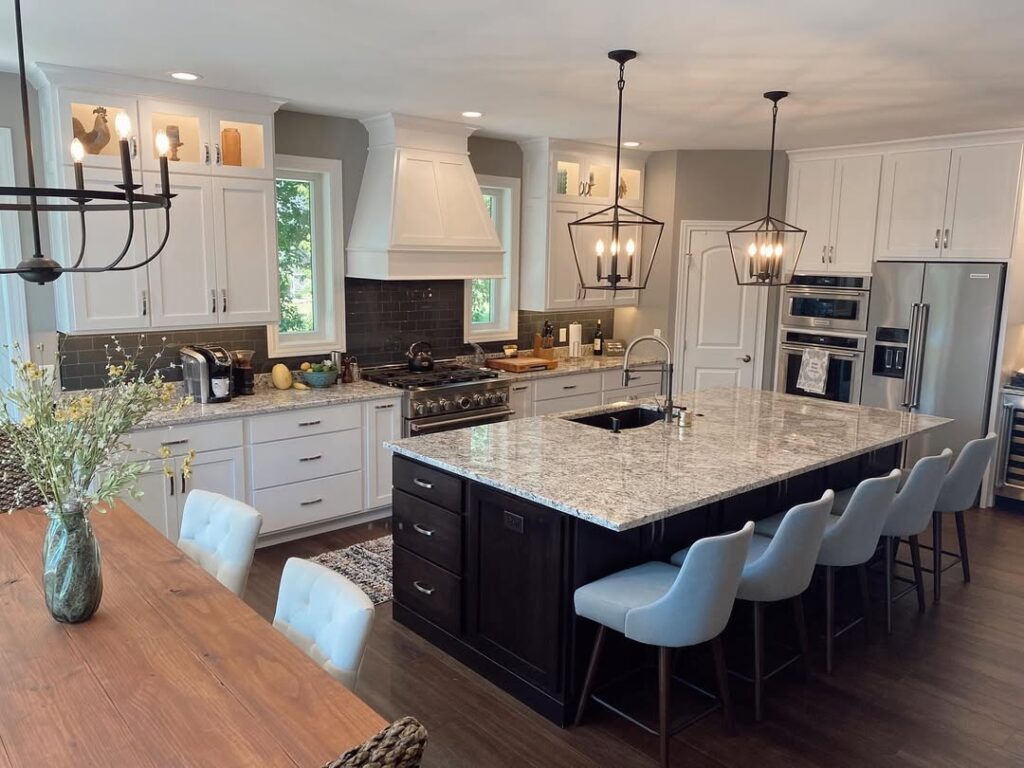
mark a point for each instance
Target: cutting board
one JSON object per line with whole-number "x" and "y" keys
{"x": 521, "y": 364}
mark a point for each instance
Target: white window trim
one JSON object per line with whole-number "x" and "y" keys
{"x": 13, "y": 314}
{"x": 328, "y": 221}
{"x": 507, "y": 326}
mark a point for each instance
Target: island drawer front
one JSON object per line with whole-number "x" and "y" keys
{"x": 564, "y": 386}
{"x": 214, "y": 436}
{"x": 291, "y": 506}
{"x": 631, "y": 394}
{"x": 428, "y": 589}
{"x": 428, "y": 483}
{"x": 428, "y": 530}
{"x": 303, "y": 422}
{"x": 641, "y": 378}
{"x": 306, "y": 458}
{"x": 563, "y": 404}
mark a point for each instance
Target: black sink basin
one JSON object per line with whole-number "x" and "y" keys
{"x": 621, "y": 418}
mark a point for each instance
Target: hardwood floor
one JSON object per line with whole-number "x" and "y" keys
{"x": 946, "y": 689}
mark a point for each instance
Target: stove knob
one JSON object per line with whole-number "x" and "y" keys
{"x": 492, "y": 398}
{"x": 503, "y": 397}
{"x": 433, "y": 407}
{"x": 446, "y": 404}
{"x": 464, "y": 403}
{"x": 420, "y": 409}
{"x": 479, "y": 400}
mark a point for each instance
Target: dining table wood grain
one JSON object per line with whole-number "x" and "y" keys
{"x": 173, "y": 670}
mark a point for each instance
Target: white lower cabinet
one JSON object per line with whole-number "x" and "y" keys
{"x": 382, "y": 421}
{"x": 557, "y": 394}
{"x": 520, "y": 399}
{"x": 562, "y": 404}
{"x": 566, "y": 393}
{"x": 313, "y": 501}
{"x": 631, "y": 394}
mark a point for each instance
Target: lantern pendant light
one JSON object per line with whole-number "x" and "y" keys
{"x": 766, "y": 251}
{"x": 608, "y": 244}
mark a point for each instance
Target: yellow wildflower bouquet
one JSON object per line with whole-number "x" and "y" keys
{"x": 70, "y": 446}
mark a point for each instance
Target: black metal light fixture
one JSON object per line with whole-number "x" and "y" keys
{"x": 766, "y": 251}
{"x": 610, "y": 239}
{"x": 41, "y": 269}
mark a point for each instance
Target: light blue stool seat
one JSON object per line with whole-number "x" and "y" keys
{"x": 609, "y": 600}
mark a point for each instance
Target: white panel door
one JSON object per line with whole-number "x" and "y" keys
{"x": 520, "y": 399}
{"x": 158, "y": 504}
{"x": 981, "y": 204}
{"x": 810, "y": 207}
{"x": 183, "y": 280}
{"x": 721, "y": 318}
{"x": 912, "y": 204}
{"x": 220, "y": 472}
{"x": 563, "y": 277}
{"x": 245, "y": 230}
{"x": 382, "y": 422}
{"x": 854, "y": 213}
{"x": 105, "y": 301}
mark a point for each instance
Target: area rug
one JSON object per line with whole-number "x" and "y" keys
{"x": 367, "y": 564}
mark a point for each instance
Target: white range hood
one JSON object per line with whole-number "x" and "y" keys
{"x": 420, "y": 213}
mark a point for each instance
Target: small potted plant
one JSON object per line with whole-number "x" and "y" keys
{"x": 69, "y": 449}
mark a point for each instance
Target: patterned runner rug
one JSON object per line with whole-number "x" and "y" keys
{"x": 367, "y": 564}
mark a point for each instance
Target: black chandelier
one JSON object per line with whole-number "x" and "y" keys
{"x": 611, "y": 238}
{"x": 39, "y": 268}
{"x": 766, "y": 251}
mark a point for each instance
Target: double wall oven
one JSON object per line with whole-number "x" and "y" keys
{"x": 828, "y": 312}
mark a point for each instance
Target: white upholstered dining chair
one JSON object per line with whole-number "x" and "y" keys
{"x": 220, "y": 534}
{"x": 325, "y": 615}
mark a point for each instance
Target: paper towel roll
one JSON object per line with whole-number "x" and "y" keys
{"x": 575, "y": 339}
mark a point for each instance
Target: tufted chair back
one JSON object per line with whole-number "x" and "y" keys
{"x": 220, "y": 534}
{"x": 325, "y": 615}
{"x": 961, "y": 486}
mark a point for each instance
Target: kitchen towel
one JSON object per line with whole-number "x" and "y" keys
{"x": 813, "y": 371}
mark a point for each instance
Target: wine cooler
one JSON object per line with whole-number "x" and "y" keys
{"x": 1010, "y": 482}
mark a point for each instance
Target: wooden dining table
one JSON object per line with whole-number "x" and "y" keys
{"x": 173, "y": 670}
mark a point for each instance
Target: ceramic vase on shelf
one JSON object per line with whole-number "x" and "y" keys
{"x": 72, "y": 573}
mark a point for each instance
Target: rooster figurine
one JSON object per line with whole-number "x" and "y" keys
{"x": 95, "y": 140}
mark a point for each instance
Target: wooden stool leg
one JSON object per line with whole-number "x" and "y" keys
{"x": 758, "y": 657}
{"x": 722, "y": 676}
{"x": 961, "y": 535}
{"x": 830, "y": 615}
{"x": 588, "y": 681}
{"x": 888, "y": 583}
{"x": 664, "y": 699}
{"x": 937, "y": 555}
{"x": 865, "y": 598}
{"x": 801, "y": 635}
{"x": 915, "y": 558}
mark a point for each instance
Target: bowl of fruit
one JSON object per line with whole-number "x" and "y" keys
{"x": 319, "y": 375}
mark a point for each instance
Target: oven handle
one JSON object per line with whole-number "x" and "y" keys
{"x": 490, "y": 418}
{"x": 826, "y": 293}
{"x": 831, "y": 353}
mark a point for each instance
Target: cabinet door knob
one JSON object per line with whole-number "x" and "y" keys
{"x": 206, "y": 153}
{"x": 213, "y": 301}
{"x": 217, "y": 146}
{"x": 937, "y": 238}
{"x": 945, "y": 238}
{"x": 744, "y": 359}
{"x": 831, "y": 252}
{"x": 145, "y": 303}
{"x": 823, "y": 248}
{"x": 135, "y": 146}
{"x": 224, "y": 300}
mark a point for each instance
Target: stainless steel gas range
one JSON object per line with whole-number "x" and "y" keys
{"x": 450, "y": 396}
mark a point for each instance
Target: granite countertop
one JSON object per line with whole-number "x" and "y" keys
{"x": 744, "y": 440}
{"x": 270, "y": 400}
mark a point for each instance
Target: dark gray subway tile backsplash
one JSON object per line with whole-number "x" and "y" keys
{"x": 382, "y": 319}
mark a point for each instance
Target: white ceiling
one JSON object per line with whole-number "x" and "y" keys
{"x": 859, "y": 70}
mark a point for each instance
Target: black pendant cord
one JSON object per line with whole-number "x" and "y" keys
{"x": 26, "y": 122}
{"x": 618, "y": 129}
{"x": 771, "y": 165}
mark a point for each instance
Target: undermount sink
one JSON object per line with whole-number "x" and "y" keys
{"x": 621, "y": 418}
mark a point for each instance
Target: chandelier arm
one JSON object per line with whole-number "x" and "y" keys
{"x": 152, "y": 257}
{"x": 120, "y": 256}
{"x": 81, "y": 250}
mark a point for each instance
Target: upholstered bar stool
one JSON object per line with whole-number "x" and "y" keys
{"x": 669, "y": 607}
{"x": 325, "y": 615}
{"x": 850, "y": 540}
{"x": 780, "y": 568}
{"x": 220, "y": 534}
{"x": 958, "y": 494}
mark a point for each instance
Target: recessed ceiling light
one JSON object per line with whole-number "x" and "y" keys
{"x": 472, "y": 113}
{"x": 631, "y": 144}
{"x": 185, "y": 76}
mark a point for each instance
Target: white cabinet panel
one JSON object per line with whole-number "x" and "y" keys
{"x": 305, "y": 458}
{"x": 520, "y": 399}
{"x": 562, "y": 404}
{"x": 158, "y": 504}
{"x": 912, "y": 204}
{"x": 314, "y": 501}
{"x": 854, "y": 214}
{"x": 561, "y": 386}
{"x": 183, "y": 279}
{"x": 981, "y": 203}
{"x": 303, "y": 422}
{"x": 563, "y": 277}
{"x": 220, "y": 472}
{"x": 382, "y": 421}
{"x": 630, "y": 395}
{"x": 810, "y": 207}
{"x": 246, "y": 246}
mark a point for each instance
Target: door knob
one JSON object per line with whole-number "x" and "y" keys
{"x": 744, "y": 359}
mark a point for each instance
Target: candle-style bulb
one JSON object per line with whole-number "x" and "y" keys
{"x": 630, "y": 247}
{"x": 163, "y": 144}
{"x": 77, "y": 151}
{"x": 752, "y": 250}
{"x": 123, "y": 124}
{"x": 615, "y": 248}
{"x": 778, "y": 249}
{"x": 599, "y": 247}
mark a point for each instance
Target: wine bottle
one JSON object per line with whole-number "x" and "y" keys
{"x": 598, "y": 340}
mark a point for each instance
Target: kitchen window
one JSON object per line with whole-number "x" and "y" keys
{"x": 491, "y": 305}
{"x": 309, "y": 251}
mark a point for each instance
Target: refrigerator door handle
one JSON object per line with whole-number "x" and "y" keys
{"x": 922, "y": 330}
{"x": 908, "y": 377}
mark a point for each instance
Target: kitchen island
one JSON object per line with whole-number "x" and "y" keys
{"x": 496, "y": 526}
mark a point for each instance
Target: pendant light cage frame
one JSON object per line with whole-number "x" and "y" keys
{"x": 765, "y": 252}
{"x": 616, "y": 237}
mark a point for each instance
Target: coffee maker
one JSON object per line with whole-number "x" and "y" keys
{"x": 207, "y": 373}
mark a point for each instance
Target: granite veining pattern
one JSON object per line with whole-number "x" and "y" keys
{"x": 269, "y": 400}
{"x": 745, "y": 439}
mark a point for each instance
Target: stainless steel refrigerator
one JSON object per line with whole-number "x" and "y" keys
{"x": 932, "y": 333}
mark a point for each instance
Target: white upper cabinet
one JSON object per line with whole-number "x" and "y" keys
{"x": 958, "y": 203}
{"x": 89, "y": 117}
{"x": 836, "y": 201}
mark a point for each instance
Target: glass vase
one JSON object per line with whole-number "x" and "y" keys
{"x": 72, "y": 576}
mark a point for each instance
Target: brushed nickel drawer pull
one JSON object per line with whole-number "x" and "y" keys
{"x": 520, "y": 389}
{"x": 384, "y": 407}
{"x": 420, "y": 529}
{"x": 423, "y": 483}
{"x": 570, "y": 386}
{"x": 426, "y": 589}
{"x": 310, "y": 503}
{"x": 169, "y": 443}
{"x": 309, "y": 423}
{"x": 311, "y": 458}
